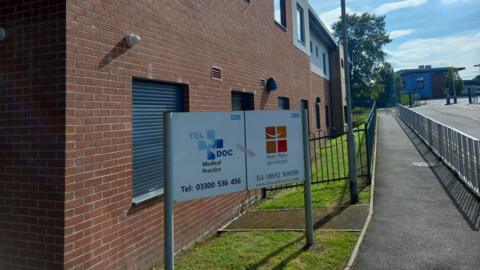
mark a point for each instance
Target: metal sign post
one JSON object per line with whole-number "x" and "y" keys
{"x": 307, "y": 185}
{"x": 169, "y": 248}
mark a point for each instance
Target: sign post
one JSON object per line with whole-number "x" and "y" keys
{"x": 215, "y": 153}
{"x": 168, "y": 230}
{"x": 307, "y": 185}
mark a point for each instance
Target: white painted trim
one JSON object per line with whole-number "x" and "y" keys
{"x": 305, "y": 48}
{"x": 318, "y": 71}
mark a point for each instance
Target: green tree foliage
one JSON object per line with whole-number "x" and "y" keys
{"x": 389, "y": 82}
{"x": 452, "y": 75}
{"x": 366, "y": 37}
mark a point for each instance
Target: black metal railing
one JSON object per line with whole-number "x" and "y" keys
{"x": 329, "y": 154}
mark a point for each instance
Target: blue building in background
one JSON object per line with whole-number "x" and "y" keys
{"x": 426, "y": 81}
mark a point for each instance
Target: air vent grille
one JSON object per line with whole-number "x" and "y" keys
{"x": 261, "y": 84}
{"x": 216, "y": 73}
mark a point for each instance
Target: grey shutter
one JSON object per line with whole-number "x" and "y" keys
{"x": 149, "y": 101}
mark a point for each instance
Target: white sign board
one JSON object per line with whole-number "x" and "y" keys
{"x": 215, "y": 153}
{"x": 206, "y": 156}
{"x": 275, "y": 143}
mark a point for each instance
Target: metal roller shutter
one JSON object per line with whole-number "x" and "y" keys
{"x": 149, "y": 101}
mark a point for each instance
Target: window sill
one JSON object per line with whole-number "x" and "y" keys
{"x": 147, "y": 197}
{"x": 281, "y": 26}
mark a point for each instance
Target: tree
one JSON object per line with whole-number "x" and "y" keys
{"x": 452, "y": 74}
{"x": 366, "y": 37}
{"x": 388, "y": 85}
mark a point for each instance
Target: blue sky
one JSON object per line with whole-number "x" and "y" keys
{"x": 424, "y": 32}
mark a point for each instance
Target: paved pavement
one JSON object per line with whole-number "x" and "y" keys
{"x": 350, "y": 218}
{"x": 462, "y": 116}
{"x": 423, "y": 216}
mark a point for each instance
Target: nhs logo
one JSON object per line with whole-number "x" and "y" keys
{"x": 212, "y": 145}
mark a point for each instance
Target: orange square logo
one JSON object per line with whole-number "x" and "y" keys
{"x": 276, "y": 139}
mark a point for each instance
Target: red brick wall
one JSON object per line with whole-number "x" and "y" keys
{"x": 180, "y": 41}
{"x": 319, "y": 88}
{"x": 32, "y": 145}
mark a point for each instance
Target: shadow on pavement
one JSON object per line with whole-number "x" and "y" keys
{"x": 466, "y": 202}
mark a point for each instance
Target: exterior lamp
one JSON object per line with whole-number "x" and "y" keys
{"x": 271, "y": 84}
{"x": 131, "y": 40}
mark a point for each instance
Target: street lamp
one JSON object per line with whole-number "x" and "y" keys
{"x": 454, "y": 89}
{"x": 352, "y": 167}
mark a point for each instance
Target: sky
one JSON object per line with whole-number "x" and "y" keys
{"x": 424, "y": 32}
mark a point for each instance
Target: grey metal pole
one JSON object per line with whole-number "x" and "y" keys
{"x": 454, "y": 89}
{"x": 168, "y": 202}
{"x": 307, "y": 185}
{"x": 352, "y": 168}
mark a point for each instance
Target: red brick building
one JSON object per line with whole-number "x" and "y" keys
{"x": 79, "y": 115}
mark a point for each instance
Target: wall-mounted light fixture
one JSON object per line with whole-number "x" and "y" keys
{"x": 3, "y": 33}
{"x": 131, "y": 40}
{"x": 271, "y": 84}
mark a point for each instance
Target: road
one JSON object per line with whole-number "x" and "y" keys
{"x": 423, "y": 217}
{"x": 462, "y": 116}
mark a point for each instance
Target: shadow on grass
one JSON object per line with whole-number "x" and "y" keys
{"x": 464, "y": 200}
{"x": 284, "y": 262}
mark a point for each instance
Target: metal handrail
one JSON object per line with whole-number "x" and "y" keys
{"x": 458, "y": 150}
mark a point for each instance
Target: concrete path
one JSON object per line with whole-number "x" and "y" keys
{"x": 423, "y": 217}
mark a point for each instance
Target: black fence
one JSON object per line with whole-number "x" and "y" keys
{"x": 329, "y": 155}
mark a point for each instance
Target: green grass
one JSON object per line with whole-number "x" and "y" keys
{"x": 323, "y": 195}
{"x": 331, "y": 156}
{"x": 269, "y": 250}
{"x": 404, "y": 99}
{"x": 360, "y": 114}
{"x": 364, "y": 195}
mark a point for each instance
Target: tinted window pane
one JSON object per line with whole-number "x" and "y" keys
{"x": 324, "y": 64}
{"x": 300, "y": 25}
{"x": 279, "y": 12}
{"x": 242, "y": 101}
{"x": 283, "y": 103}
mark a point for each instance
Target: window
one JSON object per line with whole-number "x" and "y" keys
{"x": 316, "y": 51}
{"x": 324, "y": 64}
{"x": 311, "y": 47}
{"x": 242, "y": 101}
{"x": 341, "y": 62}
{"x": 279, "y": 12}
{"x": 304, "y": 106}
{"x": 300, "y": 25}
{"x": 317, "y": 113}
{"x": 327, "y": 115}
{"x": 283, "y": 103}
{"x": 150, "y": 100}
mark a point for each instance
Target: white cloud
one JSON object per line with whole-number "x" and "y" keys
{"x": 460, "y": 51}
{"x": 332, "y": 16}
{"x": 401, "y": 33}
{"x": 449, "y": 2}
{"x": 388, "y": 7}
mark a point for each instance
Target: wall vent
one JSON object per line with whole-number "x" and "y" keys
{"x": 261, "y": 84}
{"x": 216, "y": 73}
